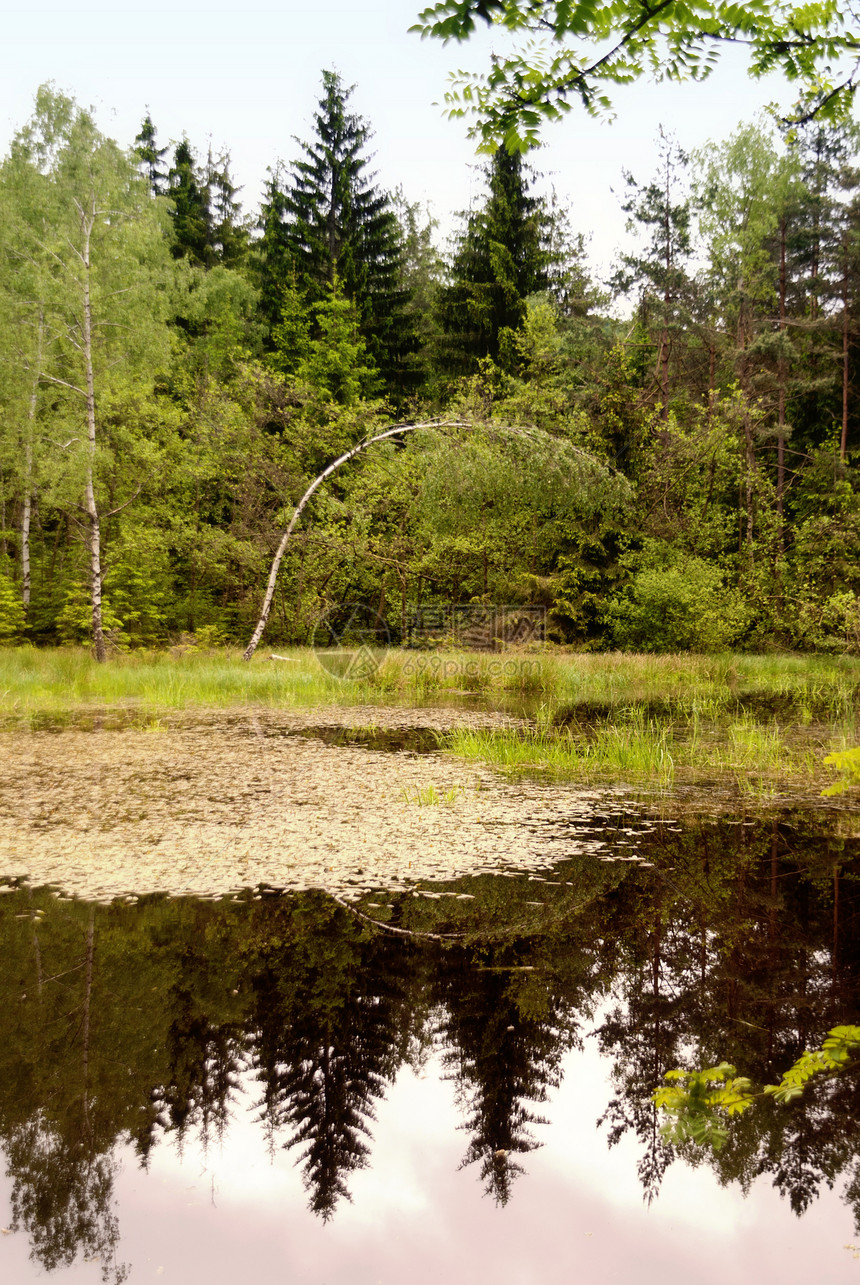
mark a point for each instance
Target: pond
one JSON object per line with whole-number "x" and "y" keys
{"x": 298, "y": 996}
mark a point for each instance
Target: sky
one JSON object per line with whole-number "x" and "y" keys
{"x": 235, "y": 1212}
{"x": 247, "y": 77}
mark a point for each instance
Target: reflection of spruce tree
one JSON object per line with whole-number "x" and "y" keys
{"x": 205, "y": 1061}
{"x": 503, "y": 1054}
{"x": 332, "y": 1026}
{"x": 644, "y": 1033}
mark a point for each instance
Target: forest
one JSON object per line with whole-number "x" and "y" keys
{"x": 664, "y": 461}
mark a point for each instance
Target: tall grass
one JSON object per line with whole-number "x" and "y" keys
{"x": 554, "y": 688}
{"x": 612, "y": 749}
{"x": 759, "y": 757}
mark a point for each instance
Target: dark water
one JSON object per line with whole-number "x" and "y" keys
{"x": 194, "y": 1090}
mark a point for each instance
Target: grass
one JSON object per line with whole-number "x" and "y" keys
{"x": 760, "y": 757}
{"x": 558, "y": 687}
{"x": 427, "y": 796}
{"x": 760, "y": 719}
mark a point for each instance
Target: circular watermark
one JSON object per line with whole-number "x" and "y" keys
{"x": 350, "y": 641}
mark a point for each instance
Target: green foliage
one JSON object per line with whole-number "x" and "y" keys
{"x": 577, "y": 52}
{"x": 336, "y": 363}
{"x": 675, "y": 602}
{"x": 12, "y": 619}
{"x": 337, "y": 226}
{"x": 697, "y": 1105}
{"x": 501, "y": 258}
{"x": 74, "y": 621}
{"x": 848, "y": 763}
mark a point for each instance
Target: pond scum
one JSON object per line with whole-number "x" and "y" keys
{"x": 760, "y": 719}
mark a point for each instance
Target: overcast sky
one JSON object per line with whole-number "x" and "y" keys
{"x": 248, "y": 75}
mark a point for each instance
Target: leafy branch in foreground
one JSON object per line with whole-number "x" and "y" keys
{"x": 573, "y": 50}
{"x": 698, "y": 1105}
{"x": 848, "y": 763}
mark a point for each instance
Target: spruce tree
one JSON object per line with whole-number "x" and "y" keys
{"x": 339, "y": 226}
{"x": 271, "y": 261}
{"x": 150, "y": 159}
{"x": 190, "y": 212}
{"x": 227, "y": 236}
{"x": 501, "y": 258}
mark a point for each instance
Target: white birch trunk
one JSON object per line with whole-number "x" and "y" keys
{"x": 327, "y": 472}
{"x": 87, "y": 221}
{"x": 28, "y": 471}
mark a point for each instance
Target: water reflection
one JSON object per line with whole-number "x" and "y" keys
{"x": 138, "y": 1023}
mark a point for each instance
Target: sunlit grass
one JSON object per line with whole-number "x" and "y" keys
{"x": 610, "y": 750}
{"x": 760, "y": 758}
{"x": 758, "y": 719}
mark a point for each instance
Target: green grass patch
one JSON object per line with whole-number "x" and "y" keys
{"x": 552, "y": 688}
{"x": 759, "y": 758}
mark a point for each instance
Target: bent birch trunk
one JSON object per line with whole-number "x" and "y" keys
{"x": 326, "y": 473}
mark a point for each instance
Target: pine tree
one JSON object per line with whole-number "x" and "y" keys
{"x": 663, "y": 213}
{"x": 501, "y": 258}
{"x": 340, "y": 226}
{"x": 151, "y": 158}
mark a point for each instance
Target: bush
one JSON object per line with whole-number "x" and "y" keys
{"x": 676, "y": 602}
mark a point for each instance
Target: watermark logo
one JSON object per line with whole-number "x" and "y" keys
{"x": 350, "y": 640}
{"x": 474, "y": 626}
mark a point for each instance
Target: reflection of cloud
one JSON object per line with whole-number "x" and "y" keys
{"x": 578, "y": 1216}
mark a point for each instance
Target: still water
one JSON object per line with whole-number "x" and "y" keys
{"x": 453, "y": 1086}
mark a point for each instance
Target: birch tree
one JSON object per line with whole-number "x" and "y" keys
{"x": 99, "y": 258}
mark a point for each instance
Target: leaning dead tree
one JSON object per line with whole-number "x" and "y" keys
{"x": 590, "y": 484}
{"x": 318, "y": 481}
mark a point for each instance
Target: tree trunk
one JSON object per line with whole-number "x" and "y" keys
{"x": 87, "y": 221}
{"x": 26, "y": 513}
{"x": 780, "y": 431}
{"x": 843, "y": 442}
{"x": 327, "y": 472}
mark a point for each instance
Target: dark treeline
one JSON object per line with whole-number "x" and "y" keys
{"x": 154, "y": 1024}
{"x": 176, "y": 369}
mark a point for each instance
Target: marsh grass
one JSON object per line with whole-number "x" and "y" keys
{"x": 759, "y": 719}
{"x": 759, "y": 758}
{"x": 427, "y": 796}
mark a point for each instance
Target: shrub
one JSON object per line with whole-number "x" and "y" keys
{"x": 676, "y": 602}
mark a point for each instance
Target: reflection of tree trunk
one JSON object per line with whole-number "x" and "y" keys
{"x": 835, "y": 961}
{"x": 771, "y": 938}
{"x": 85, "y": 1028}
{"x": 37, "y": 951}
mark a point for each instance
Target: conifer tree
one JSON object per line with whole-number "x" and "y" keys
{"x": 500, "y": 259}
{"x": 227, "y": 237}
{"x": 190, "y": 211}
{"x": 663, "y": 212}
{"x": 340, "y": 226}
{"x": 150, "y": 158}
{"x": 271, "y": 261}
